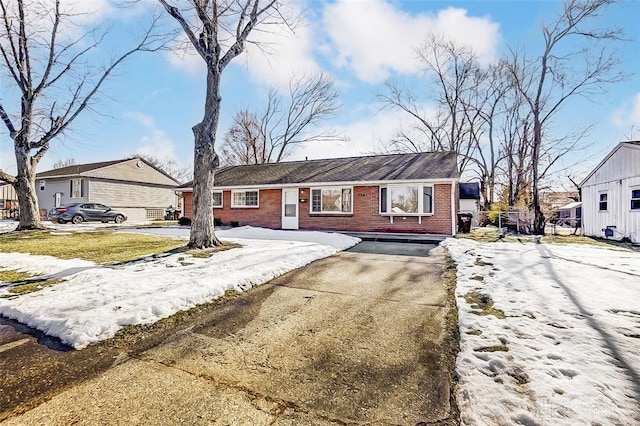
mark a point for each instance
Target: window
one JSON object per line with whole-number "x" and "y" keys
{"x": 331, "y": 200}
{"x": 76, "y": 188}
{"x": 244, "y": 198}
{"x": 41, "y": 185}
{"x": 217, "y": 199}
{"x": 603, "y": 202}
{"x": 407, "y": 199}
{"x": 635, "y": 199}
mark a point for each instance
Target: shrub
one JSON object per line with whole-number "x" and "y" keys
{"x": 234, "y": 224}
{"x": 217, "y": 221}
{"x": 184, "y": 221}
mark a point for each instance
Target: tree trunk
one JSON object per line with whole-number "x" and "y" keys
{"x": 25, "y": 187}
{"x": 205, "y": 161}
{"x": 538, "y": 216}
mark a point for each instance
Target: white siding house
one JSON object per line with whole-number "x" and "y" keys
{"x": 133, "y": 186}
{"x": 611, "y": 195}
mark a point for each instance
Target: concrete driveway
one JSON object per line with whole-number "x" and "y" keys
{"x": 364, "y": 336}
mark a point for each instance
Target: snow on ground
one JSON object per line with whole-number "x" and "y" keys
{"x": 96, "y": 301}
{"x": 572, "y": 330}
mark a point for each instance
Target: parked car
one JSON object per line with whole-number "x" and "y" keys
{"x": 81, "y": 212}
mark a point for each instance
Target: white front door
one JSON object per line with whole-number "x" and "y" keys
{"x": 290, "y": 208}
{"x": 58, "y": 199}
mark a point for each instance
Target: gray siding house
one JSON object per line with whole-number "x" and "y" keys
{"x": 133, "y": 185}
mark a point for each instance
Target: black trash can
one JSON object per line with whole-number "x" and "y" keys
{"x": 464, "y": 222}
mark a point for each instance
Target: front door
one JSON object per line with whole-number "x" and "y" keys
{"x": 290, "y": 208}
{"x": 57, "y": 199}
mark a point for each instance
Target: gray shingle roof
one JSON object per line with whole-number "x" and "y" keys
{"x": 78, "y": 169}
{"x": 421, "y": 166}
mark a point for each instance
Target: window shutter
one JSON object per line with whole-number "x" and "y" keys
{"x": 427, "y": 194}
{"x": 315, "y": 200}
{"x": 81, "y": 188}
{"x": 71, "y": 188}
{"x": 383, "y": 200}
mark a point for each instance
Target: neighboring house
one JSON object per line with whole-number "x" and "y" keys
{"x": 611, "y": 195}
{"x": 570, "y": 214}
{"x": 8, "y": 201}
{"x": 383, "y": 193}
{"x": 133, "y": 185}
{"x": 470, "y": 200}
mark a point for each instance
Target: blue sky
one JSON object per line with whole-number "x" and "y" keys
{"x": 155, "y": 99}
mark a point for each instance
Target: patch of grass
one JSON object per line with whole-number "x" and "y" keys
{"x": 133, "y": 333}
{"x": 158, "y": 224}
{"x": 11, "y": 276}
{"x": 474, "y": 332}
{"x": 104, "y": 247}
{"x": 483, "y": 304}
{"x": 496, "y": 348}
{"x": 477, "y": 278}
{"x": 208, "y": 252}
{"x": 33, "y": 287}
{"x": 577, "y": 239}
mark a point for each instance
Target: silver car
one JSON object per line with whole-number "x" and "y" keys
{"x": 84, "y": 212}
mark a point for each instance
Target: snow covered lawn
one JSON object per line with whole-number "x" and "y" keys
{"x": 566, "y": 352}
{"x": 96, "y": 301}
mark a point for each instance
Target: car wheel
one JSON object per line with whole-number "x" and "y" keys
{"x": 118, "y": 219}
{"x": 77, "y": 219}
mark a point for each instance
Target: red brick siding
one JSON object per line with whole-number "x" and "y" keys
{"x": 365, "y": 217}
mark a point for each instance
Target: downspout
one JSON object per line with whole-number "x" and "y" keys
{"x": 453, "y": 207}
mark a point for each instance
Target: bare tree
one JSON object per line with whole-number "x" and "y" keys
{"x": 60, "y": 163}
{"x": 285, "y": 122}
{"x": 218, "y": 30}
{"x": 245, "y": 141}
{"x": 452, "y": 73}
{"x": 577, "y": 60}
{"x": 55, "y": 82}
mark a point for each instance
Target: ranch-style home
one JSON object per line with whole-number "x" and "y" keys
{"x": 133, "y": 186}
{"x": 415, "y": 193}
{"x": 611, "y": 195}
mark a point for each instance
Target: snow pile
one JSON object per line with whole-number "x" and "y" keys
{"x": 568, "y": 351}
{"x": 94, "y": 303}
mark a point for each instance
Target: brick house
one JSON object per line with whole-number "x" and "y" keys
{"x": 415, "y": 193}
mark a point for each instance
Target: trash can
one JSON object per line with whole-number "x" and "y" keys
{"x": 464, "y": 222}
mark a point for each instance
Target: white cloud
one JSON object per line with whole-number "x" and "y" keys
{"x": 275, "y": 54}
{"x": 282, "y": 53}
{"x": 629, "y": 114}
{"x": 158, "y": 144}
{"x": 365, "y": 136}
{"x": 377, "y": 38}
{"x": 142, "y": 118}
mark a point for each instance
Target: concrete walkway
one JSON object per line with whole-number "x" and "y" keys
{"x": 359, "y": 337}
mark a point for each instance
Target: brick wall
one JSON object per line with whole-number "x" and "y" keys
{"x": 365, "y": 217}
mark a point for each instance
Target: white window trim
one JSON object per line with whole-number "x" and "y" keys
{"x": 235, "y": 206}
{"x": 321, "y": 188}
{"x": 420, "y": 200}
{"x": 606, "y": 192}
{"x": 633, "y": 188}
{"x": 215, "y": 206}
{"x": 71, "y": 192}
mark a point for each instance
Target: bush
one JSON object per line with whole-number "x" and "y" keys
{"x": 184, "y": 221}
{"x": 234, "y": 224}
{"x": 496, "y": 210}
{"x": 217, "y": 221}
